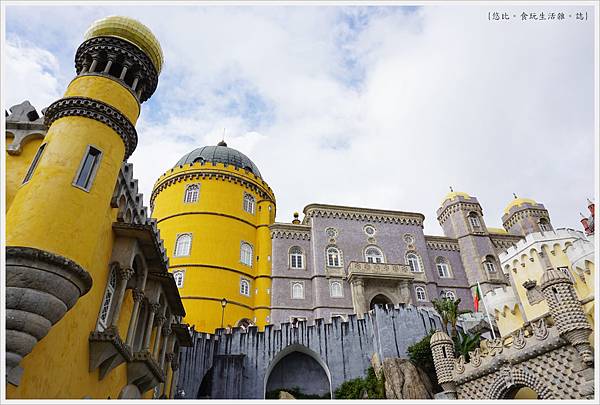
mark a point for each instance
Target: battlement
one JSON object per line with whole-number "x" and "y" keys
{"x": 560, "y": 236}
{"x": 290, "y": 231}
{"x": 361, "y": 214}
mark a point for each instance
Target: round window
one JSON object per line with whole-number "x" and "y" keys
{"x": 370, "y": 230}
{"x": 331, "y": 232}
{"x": 409, "y": 239}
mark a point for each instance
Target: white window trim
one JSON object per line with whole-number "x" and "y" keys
{"x": 376, "y": 248}
{"x": 417, "y": 288}
{"x": 451, "y": 292}
{"x": 340, "y": 257}
{"x": 179, "y": 272}
{"x": 292, "y": 284}
{"x": 331, "y": 282}
{"x": 34, "y": 163}
{"x": 369, "y": 226}
{"x": 94, "y": 169}
{"x": 103, "y": 323}
{"x": 444, "y": 262}
{"x": 242, "y": 282}
{"x": 253, "y": 207}
{"x": 177, "y": 239}
{"x": 185, "y": 194}
{"x": 251, "y": 254}
{"x": 489, "y": 266}
{"x": 567, "y": 272}
{"x": 419, "y": 263}
{"x": 301, "y": 258}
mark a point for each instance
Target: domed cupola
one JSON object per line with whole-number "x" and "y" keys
{"x": 220, "y": 153}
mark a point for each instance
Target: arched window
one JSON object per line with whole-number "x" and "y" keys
{"x": 450, "y": 295}
{"x": 373, "y": 255}
{"x": 334, "y": 257}
{"x": 183, "y": 243}
{"x": 474, "y": 220}
{"x": 249, "y": 203}
{"x": 191, "y": 193}
{"x": 414, "y": 263}
{"x": 442, "y": 267}
{"x": 245, "y": 287}
{"x": 420, "y": 293}
{"x": 179, "y": 276}
{"x": 107, "y": 301}
{"x": 246, "y": 254}
{"x": 297, "y": 291}
{"x": 489, "y": 264}
{"x": 336, "y": 290}
{"x": 296, "y": 258}
{"x": 544, "y": 225}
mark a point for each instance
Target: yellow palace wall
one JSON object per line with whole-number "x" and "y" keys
{"x": 218, "y": 224}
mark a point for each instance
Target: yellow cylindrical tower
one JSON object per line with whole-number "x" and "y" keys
{"x": 56, "y": 225}
{"x": 213, "y": 211}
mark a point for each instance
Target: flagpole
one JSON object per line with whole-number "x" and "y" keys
{"x": 486, "y": 311}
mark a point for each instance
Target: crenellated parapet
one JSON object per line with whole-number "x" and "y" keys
{"x": 290, "y": 231}
{"x": 361, "y": 214}
{"x": 500, "y": 300}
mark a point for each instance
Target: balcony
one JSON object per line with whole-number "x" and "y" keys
{"x": 366, "y": 270}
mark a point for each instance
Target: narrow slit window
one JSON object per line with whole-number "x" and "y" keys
{"x": 89, "y": 166}
{"x": 34, "y": 163}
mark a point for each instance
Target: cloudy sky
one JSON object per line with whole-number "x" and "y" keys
{"x": 381, "y": 107}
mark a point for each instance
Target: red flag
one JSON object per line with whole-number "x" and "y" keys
{"x": 476, "y": 299}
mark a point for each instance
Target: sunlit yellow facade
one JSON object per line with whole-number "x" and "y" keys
{"x": 218, "y": 225}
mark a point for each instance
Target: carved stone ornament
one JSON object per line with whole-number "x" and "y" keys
{"x": 96, "y": 110}
{"x": 495, "y": 346}
{"x": 519, "y": 341}
{"x": 506, "y": 374}
{"x": 475, "y": 356}
{"x": 540, "y": 330}
{"x": 138, "y": 295}
{"x": 459, "y": 364}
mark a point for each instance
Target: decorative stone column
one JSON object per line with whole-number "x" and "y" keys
{"x": 138, "y": 296}
{"x": 358, "y": 297}
{"x": 567, "y": 312}
{"x": 153, "y": 310}
{"x": 404, "y": 291}
{"x": 168, "y": 338}
{"x": 160, "y": 320}
{"x": 442, "y": 349}
{"x": 40, "y": 288}
{"x": 124, "y": 275}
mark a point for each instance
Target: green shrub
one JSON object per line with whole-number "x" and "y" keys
{"x": 354, "y": 389}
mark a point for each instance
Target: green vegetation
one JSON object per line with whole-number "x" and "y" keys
{"x": 448, "y": 310}
{"x": 296, "y": 393}
{"x": 355, "y": 389}
{"x": 420, "y": 354}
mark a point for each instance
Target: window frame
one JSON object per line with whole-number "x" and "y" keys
{"x": 245, "y": 253}
{"x": 567, "y": 272}
{"x": 297, "y": 283}
{"x": 381, "y": 255}
{"x": 474, "y": 221}
{"x": 252, "y": 206}
{"x": 339, "y": 257}
{"x": 446, "y": 292}
{"x": 176, "y": 273}
{"x": 489, "y": 265}
{"x": 177, "y": 237}
{"x": 245, "y": 282}
{"x": 544, "y": 225}
{"x": 420, "y": 288}
{"x": 197, "y": 194}
{"x": 291, "y": 256}
{"x": 331, "y": 283}
{"x": 103, "y": 324}
{"x": 418, "y": 261}
{"x": 93, "y": 171}
{"x": 34, "y": 163}
{"x": 444, "y": 264}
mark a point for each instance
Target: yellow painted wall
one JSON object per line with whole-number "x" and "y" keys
{"x": 218, "y": 224}
{"x": 17, "y": 166}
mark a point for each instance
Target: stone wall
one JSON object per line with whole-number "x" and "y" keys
{"x": 343, "y": 349}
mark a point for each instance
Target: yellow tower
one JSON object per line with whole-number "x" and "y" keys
{"x": 213, "y": 211}
{"x": 58, "y": 225}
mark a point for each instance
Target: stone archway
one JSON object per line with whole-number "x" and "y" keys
{"x": 380, "y": 299}
{"x": 510, "y": 382}
{"x": 297, "y": 366}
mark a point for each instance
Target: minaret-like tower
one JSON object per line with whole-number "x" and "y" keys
{"x": 566, "y": 310}
{"x": 442, "y": 350}
{"x": 461, "y": 217}
{"x": 214, "y": 210}
{"x": 523, "y": 216}
{"x": 55, "y": 227}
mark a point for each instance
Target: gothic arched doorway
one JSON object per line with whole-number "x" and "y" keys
{"x": 297, "y": 369}
{"x": 380, "y": 299}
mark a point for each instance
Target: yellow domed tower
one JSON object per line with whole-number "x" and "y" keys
{"x": 213, "y": 211}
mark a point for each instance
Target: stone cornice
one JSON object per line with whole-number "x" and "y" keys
{"x": 96, "y": 110}
{"x": 508, "y": 220}
{"x": 290, "y": 231}
{"x": 442, "y": 243}
{"x": 458, "y": 206}
{"x": 361, "y": 214}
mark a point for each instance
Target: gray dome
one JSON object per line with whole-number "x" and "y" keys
{"x": 220, "y": 154}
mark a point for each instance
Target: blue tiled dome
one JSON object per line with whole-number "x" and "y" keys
{"x": 220, "y": 154}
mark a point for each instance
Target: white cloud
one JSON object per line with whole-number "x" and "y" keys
{"x": 374, "y": 108}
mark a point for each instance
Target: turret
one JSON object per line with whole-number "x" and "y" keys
{"x": 55, "y": 222}
{"x": 523, "y": 216}
{"x": 442, "y": 350}
{"x": 566, "y": 310}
